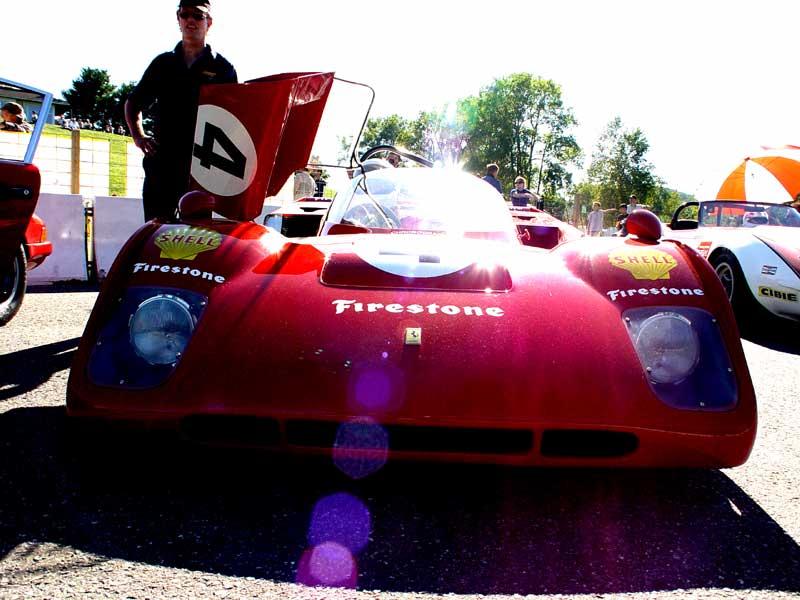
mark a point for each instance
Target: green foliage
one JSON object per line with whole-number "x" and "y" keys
{"x": 119, "y": 97}
{"x": 664, "y": 201}
{"x": 520, "y": 122}
{"x": 92, "y": 95}
{"x": 392, "y": 130}
{"x": 619, "y": 167}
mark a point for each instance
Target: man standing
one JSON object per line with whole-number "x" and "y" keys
{"x": 171, "y": 87}
{"x": 491, "y": 177}
{"x": 594, "y": 225}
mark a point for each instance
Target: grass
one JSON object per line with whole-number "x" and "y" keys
{"x": 118, "y": 155}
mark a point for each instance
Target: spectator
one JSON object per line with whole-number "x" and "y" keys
{"x": 171, "y": 86}
{"x": 34, "y": 117}
{"x": 491, "y": 177}
{"x": 120, "y": 130}
{"x": 594, "y": 224}
{"x": 622, "y": 217}
{"x": 14, "y": 118}
{"x": 520, "y": 195}
{"x": 633, "y": 203}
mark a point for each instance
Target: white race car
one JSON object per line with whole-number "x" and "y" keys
{"x": 753, "y": 246}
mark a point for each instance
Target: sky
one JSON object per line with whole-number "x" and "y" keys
{"x": 708, "y": 82}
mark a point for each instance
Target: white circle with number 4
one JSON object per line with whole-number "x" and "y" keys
{"x": 224, "y": 160}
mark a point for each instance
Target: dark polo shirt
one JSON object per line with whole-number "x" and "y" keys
{"x": 169, "y": 90}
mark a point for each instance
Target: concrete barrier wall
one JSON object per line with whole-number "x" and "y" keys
{"x": 115, "y": 220}
{"x": 63, "y": 214}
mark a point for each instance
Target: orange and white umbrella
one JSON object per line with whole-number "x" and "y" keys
{"x": 772, "y": 177}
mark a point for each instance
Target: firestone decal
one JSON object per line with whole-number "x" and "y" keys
{"x": 664, "y": 291}
{"x": 768, "y": 292}
{"x": 643, "y": 263}
{"x": 185, "y": 243}
{"x": 415, "y": 309}
{"x": 185, "y": 271}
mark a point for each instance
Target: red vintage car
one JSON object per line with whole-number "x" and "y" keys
{"x": 413, "y": 324}
{"x": 23, "y": 235}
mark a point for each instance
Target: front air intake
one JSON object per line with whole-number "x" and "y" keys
{"x": 588, "y": 444}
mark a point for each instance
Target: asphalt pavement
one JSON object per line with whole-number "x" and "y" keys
{"x": 159, "y": 520}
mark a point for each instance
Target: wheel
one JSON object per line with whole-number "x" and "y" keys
{"x": 13, "y": 279}
{"x": 730, "y": 274}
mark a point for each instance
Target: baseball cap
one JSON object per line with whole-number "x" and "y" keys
{"x": 632, "y": 197}
{"x": 201, "y": 5}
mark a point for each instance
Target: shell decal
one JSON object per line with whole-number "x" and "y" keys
{"x": 643, "y": 263}
{"x": 185, "y": 243}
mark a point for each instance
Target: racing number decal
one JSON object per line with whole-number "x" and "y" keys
{"x": 224, "y": 160}
{"x": 234, "y": 165}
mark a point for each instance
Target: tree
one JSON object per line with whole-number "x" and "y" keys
{"x": 392, "y": 130}
{"x": 91, "y": 95}
{"x": 520, "y": 122}
{"x": 440, "y": 136}
{"x": 619, "y": 167}
{"x": 119, "y": 97}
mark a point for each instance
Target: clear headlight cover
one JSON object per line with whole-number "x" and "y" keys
{"x": 668, "y": 347}
{"x": 161, "y": 328}
{"x": 684, "y": 356}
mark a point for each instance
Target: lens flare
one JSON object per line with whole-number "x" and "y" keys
{"x": 376, "y": 388}
{"x": 329, "y": 564}
{"x": 361, "y": 448}
{"x": 343, "y": 519}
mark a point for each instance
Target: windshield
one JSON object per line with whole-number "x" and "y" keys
{"x": 747, "y": 214}
{"x": 394, "y": 200}
{"x": 20, "y": 125}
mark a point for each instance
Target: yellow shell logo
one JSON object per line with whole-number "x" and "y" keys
{"x": 185, "y": 243}
{"x": 643, "y": 263}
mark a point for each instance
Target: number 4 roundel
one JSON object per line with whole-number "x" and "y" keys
{"x": 224, "y": 159}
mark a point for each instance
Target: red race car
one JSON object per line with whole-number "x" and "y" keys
{"x": 23, "y": 235}
{"x": 412, "y": 324}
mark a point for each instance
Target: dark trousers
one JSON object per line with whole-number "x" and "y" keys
{"x": 165, "y": 181}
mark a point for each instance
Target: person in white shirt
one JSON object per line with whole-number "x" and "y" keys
{"x": 594, "y": 225}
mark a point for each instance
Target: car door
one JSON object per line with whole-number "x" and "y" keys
{"x": 19, "y": 178}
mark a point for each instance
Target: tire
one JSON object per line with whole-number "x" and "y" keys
{"x": 732, "y": 277}
{"x": 13, "y": 280}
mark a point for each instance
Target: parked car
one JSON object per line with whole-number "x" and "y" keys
{"x": 23, "y": 235}
{"x": 754, "y": 248}
{"x": 413, "y": 325}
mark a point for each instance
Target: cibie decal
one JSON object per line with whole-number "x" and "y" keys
{"x": 185, "y": 243}
{"x": 224, "y": 160}
{"x": 643, "y": 263}
{"x": 175, "y": 270}
{"x": 663, "y": 291}
{"x": 777, "y": 294}
{"x": 343, "y": 306}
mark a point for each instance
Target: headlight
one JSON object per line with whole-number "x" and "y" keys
{"x": 140, "y": 344}
{"x": 161, "y": 328}
{"x": 668, "y": 347}
{"x": 684, "y": 355}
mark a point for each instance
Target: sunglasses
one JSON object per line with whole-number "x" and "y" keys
{"x": 197, "y": 16}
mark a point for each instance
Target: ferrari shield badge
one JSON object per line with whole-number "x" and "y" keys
{"x": 413, "y": 336}
{"x": 185, "y": 243}
{"x": 643, "y": 263}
